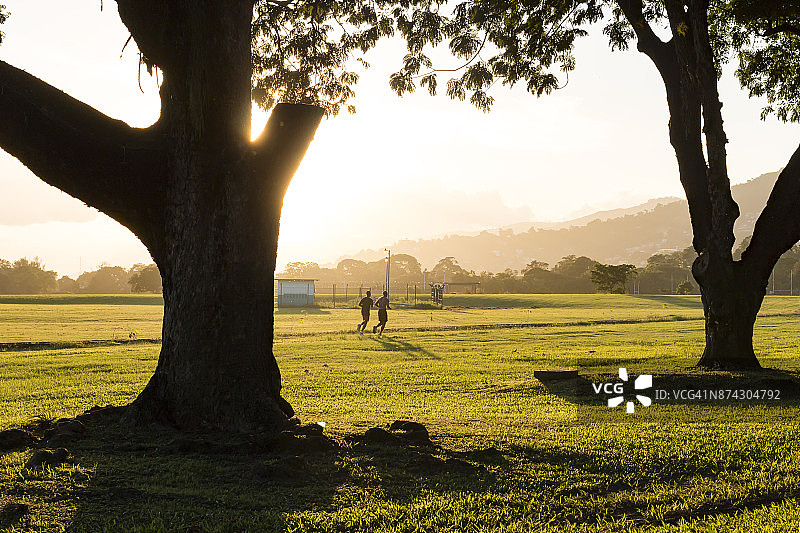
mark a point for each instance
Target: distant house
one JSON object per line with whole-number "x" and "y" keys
{"x": 295, "y": 292}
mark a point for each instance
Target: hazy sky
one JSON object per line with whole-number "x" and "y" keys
{"x": 426, "y": 166}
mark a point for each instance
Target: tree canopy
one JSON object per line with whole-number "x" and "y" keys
{"x": 145, "y": 278}
{"x": 26, "y": 276}
{"x": 448, "y": 270}
{"x": 301, "y": 50}
{"x": 612, "y": 278}
{"x": 304, "y": 51}
{"x": 533, "y": 42}
{"x": 516, "y": 42}
{"x": 765, "y": 35}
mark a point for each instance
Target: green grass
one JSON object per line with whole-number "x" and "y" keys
{"x": 87, "y": 318}
{"x": 73, "y": 318}
{"x": 563, "y": 463}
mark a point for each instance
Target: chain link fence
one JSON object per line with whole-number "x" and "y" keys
{"x": 347, "y": 295}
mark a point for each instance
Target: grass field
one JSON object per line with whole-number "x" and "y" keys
{"x": 512, "y": 453}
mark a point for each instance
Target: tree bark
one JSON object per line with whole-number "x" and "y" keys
{"x": 731, "y": 298}
{"x": 204, "y": 200}
{"x": 733, "y": 291}
{"x": 731, "y": 294}
{"x": 216, "y": 366}
{"x": 778, "y": 227}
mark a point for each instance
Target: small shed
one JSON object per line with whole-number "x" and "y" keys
{"x": 468, "y": 287}
{"x": 295, "y": 292}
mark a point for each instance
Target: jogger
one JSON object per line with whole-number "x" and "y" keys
{"x": 383, "y": 315}
{"x": 365, "y": 304}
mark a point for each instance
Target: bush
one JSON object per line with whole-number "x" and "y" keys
{"x": 684, "y": 287}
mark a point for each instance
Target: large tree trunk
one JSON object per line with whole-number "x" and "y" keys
{"x": 221, "y": 221}
{"x": 731, "y": 299}
{"x": 204, "y": 200}
{"x": 216, "y": 365}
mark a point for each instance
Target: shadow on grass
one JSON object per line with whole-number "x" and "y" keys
{"x": 785, "y": 385}
{"x": 612, "y": 471}
{"x": 574, "y": 390}
{"x": 454, "y": 309}
{"x": 157, "y": 479}
{"x": 65, "y": 345}
{"x": 677, "y": 301}
{"x": 396, "y": 345}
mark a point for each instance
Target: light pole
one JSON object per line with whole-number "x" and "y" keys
{"x": 388, "y": 263}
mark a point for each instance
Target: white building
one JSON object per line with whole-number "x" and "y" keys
{"x": 295, "y": 292}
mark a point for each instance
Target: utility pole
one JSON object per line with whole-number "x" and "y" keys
{"x": 388, "y": 263}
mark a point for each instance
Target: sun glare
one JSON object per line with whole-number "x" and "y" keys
{"x": 258, "y": 120}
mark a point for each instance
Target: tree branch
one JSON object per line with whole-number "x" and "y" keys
{"x": 724, "y": 210}
{"x": 281, "y": 146}
{"x": 647, "y": 41}
{"x": 152, "y": 24}
{"x": 791, "y": 29}
{"x": 73, "y": 147}
{"x": 778, "y": 227}
{"x": 685, "y": 119}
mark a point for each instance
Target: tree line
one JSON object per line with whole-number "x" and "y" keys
{"x": 571, "y": 275}
{"x": 664, "y": 273}
{"x": 30, "y": 276}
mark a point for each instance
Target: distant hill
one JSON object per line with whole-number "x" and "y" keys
{"x": 628, "y": 235}
{"x": 599, "y": 215}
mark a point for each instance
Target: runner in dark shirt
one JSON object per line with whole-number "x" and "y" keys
{"x": 365, "y": 304}
{"x": 383, "y": 316}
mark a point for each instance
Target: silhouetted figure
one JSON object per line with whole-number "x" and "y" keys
{"x": 365, "y": 304}
{"x": 383, "y": 316}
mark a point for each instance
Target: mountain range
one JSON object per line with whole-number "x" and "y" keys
{"x": 626, "y": 235}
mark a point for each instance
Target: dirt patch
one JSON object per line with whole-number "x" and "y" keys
{"x": 400, "y": 433}
{"x": 16, "y": 439}
{"x": 42, "y": 458}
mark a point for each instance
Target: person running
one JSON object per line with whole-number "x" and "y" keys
{"x": 383, "y": 316}
{"x": 365, "y": 304}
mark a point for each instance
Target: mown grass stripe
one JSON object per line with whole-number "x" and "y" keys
{"x": 36, "y": 346}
